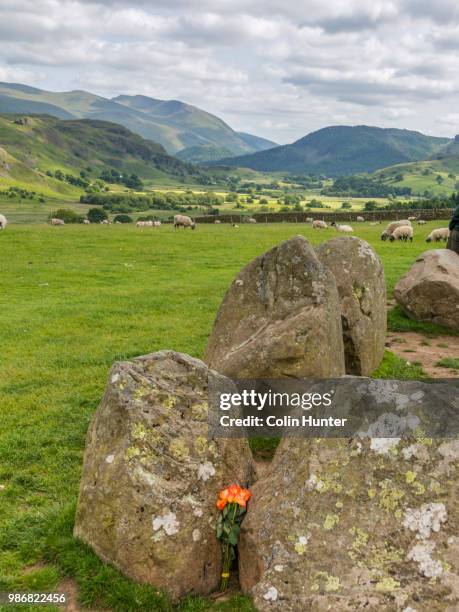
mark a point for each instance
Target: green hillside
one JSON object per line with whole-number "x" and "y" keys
{"x": 343, "y": 150}
{"x": 172, "y": 123}
{"x": 34, "y": 150}
{"x": 437, "y": 175}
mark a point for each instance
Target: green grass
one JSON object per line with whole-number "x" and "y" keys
{"x": 74, "y": 300}
{"x": 397, "y": 321}
{"x": 449, "y": 362}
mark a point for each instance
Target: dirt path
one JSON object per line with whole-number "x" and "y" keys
{"x": 425, "y": 350}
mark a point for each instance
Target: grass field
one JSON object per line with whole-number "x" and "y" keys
{"x": 74, "y": 299}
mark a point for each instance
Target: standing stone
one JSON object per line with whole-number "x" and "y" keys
{"x": 429, "y": 291}
{"x": 359, "y": 275}
{"x": 280, "y": 317}
{"x": 361, "y": 524}
{"x": 151, "y": 475}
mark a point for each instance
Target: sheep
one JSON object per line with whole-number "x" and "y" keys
{"x": 436, "y": 235}
{"x": 309, "y": 220}
{"x": 3, "y": 222}
{"x": 217, "y": 222}
{"x": 104, "y": 222}
{"x": 342, "y": 228}
{"x": 184, "y": 221}
{"x": 385, "y": 234}
{"x": 156, "y": 223}
{"x": 392, "y": 226}
{"x": 86, "y": 222}
{"x": 412, "y": 218}
{"x": 252, "y": 220}
{"x": 404, "y": 232}
{"x": 318, "y": 224}
{"x": 57, "y": 222}
{"x": 360, "y": 219}
{"x": 235, "y": 225}
{"x": 422, "y": 222}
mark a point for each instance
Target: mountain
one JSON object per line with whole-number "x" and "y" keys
{"x": 172, "y": 123}
{"x": 341, "y": 150}
{"x": 33, "y": 148}
{"x": 257, "y": 143}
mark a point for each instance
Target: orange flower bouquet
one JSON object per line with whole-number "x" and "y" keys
{"x": 232, "y": 502}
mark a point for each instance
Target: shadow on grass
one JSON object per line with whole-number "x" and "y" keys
{"x": 397, "y": 321}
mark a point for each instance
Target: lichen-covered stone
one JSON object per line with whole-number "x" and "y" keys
{"x": 280, "y": 317}
{"x": 347, "y": 525}
{"x": 359, "y": 276}
{"x": 151, "y": 475}
{"x": 429, "y": 291}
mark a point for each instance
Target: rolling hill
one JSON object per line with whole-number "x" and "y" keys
{"x": 436, "y": 175}
{"x": 342, "y": 150}
{"x": 171, "y": 123}
{"x": 33, "y": 148}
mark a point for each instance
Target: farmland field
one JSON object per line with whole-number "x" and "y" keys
{"x": 75, "y": 299}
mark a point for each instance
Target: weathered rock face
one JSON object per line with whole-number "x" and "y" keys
{"x": 429, "y": 291}
{"x": 280, "y": 317}
{"x": 151, "y": 475}
{"x": 351, "y": 525}
{"x": 359, "y": 276}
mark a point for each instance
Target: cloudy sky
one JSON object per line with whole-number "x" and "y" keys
{"x": 276, "y": 68}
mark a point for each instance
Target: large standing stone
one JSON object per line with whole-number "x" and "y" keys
{"x": 362, "y": 524}
{"x": 359, "y": 275}
{"x": 151, "y": 475}
{"x": 429, "y": 291}
{"x": 280, "y": 317}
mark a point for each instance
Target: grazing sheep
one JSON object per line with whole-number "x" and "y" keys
{"x": 252, "y": 220}
{"x": 360, "y": 219}
{"x": 235, "y": 225}
{"x": 422, "y": 222}
{"x": 385, "y": 234}
{"x": 104, "y": 222}
{"x": 412, "y": 218}
{"x": 318, "y": 224}
{"x": 156, "y": 223}
{"x": 404, "y": 232}
{"x": 144, "y": 224}
{"x": 86, "y": 222}
{"x": 309, "y": 220}
{"x": 439, "y": 234}
{"x": 57, "y": 222}
{"x": 184, "y": 221}
{"x": 392, "y": 226}
{"x": 342, "y": 228}
{"x": 3, "y": 222}
{"x": 217, "y": 221}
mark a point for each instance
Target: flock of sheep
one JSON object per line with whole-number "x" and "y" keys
{"x": 396, "y": 230}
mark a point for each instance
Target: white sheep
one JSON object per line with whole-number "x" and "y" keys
{"x": 360, "y": 219}
{"x": 86, "y": 222}
{"x": 156, "y": 223}
{"x": 412, "y": 218}
{"x": 342, "y": 228}
{"x": 104, "y": 222}
{"x": 309, "y": 220}
{"x": 422, "y": 222}
{"x": 392, "y": 226}
{"x": 217, "y": 221}
{"x": 57, "y": 222}
{"x": 252, "y": 220}
{"x": 235, "y": 225}
{"x": 183, "y": 221}
{"x": 404, "y": 232}
{"x": 385, "y": 234}
{"x": 3, "y": 222}
{"x": 318, "y": 224}
{"x": 436, "y": 235}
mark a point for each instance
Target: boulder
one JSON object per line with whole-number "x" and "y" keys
{"x": 429, "y": 291}
{"x": 359, "y": 276}
{"x": 360, "y": 524}
{"x": 280, "y": 317}
{"x": 151, "y": 475}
